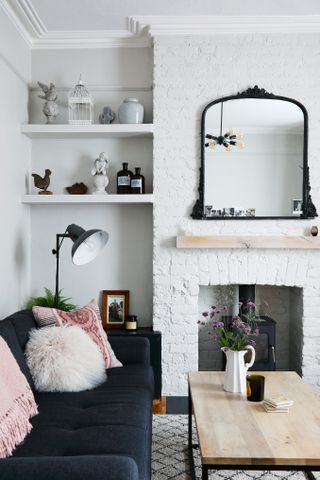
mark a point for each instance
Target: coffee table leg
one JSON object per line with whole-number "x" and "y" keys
{"x": 189, "y": 419}
{"x": 205, "y": 472}
{"x": 309, "y": 475}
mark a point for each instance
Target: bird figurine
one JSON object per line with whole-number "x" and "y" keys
{"x": 42, "y": 182}
{"x": 50, "y": 107}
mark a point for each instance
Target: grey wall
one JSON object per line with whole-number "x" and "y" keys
{"x": 15, "y": 153}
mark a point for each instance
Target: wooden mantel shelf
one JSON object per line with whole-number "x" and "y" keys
{"x": 246, "y": 242}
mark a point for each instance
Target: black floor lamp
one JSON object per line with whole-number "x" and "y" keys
{"x": 87, "y": 244}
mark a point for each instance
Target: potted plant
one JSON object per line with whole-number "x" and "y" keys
{"x": 49, "y": 300}
{"x": 235, "y": 340}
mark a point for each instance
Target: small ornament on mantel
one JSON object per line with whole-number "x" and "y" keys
{"x": 80, "y": 105}
{"x": 42, "y": 182}
{"x": 99, "y": 173}
{"x": 314, "y": 230}
{"x": 50, "y": 107}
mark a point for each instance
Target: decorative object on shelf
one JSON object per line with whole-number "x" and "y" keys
{"x": 107, "y": 116}
{"x": 314, "y": 230}
{"x": 297, "y": 206}
{"x": 86, "y": 246}
{"x": 115, "y": 308}
{"x": 210, "y": 212}
{"x": 137, "y": 182}
{"x": 51, "y": 300}
{"x": 42, "y": 182}
{"x": 131, "y": 111}
{"x": 124, "y": 179}
{"x": 80, "y": 105}
{"x": 235, "y": 343}
{"x": 228, "y": 140}
{"x": 77, "y": 189}
{"x": 99, "y": 173}
{"x": 50, "y": 107}
{"x": 131, "y": 323}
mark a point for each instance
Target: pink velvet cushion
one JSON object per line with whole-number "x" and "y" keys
{"x": 88, "y": 318}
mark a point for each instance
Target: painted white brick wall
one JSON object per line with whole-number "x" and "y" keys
{"x": 189, "y": 72}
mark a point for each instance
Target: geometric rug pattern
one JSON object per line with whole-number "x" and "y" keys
{"x": 170, "y": 455}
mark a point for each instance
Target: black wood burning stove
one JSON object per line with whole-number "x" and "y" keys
{"x": 266, "y": 340}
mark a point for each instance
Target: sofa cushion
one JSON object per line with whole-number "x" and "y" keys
{"x": 8, "y": 333}
{"x": 115, "y": 418}
{"x": 22, "y": 322}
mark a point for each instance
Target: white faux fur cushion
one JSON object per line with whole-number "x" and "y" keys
{"x": 64, "y": 359}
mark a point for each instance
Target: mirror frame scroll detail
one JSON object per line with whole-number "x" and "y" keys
{"x": 308, "y": 208}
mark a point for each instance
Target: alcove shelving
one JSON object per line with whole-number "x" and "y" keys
{"x": 86, "y": 199}
{"x": 88, "y": 131}
{"x": 80, "y": 132}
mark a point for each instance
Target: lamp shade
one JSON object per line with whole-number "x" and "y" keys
{"x": 87, "y": 244}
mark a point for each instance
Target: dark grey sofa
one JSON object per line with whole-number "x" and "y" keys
{"x": 101, "y": 434}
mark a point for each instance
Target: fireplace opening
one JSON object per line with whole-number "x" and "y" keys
{"x": 279, "y": 318}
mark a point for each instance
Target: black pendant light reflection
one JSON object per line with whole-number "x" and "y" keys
{"x": 228, "y": 140}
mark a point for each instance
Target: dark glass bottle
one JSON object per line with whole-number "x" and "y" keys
{"x": 124, "y": 179}
{"x": 137, "y": 182}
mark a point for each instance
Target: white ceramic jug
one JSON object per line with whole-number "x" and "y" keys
{"x": 236, "y": 369}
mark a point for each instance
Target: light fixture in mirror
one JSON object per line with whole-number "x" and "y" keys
{"x": 269, "y": 178}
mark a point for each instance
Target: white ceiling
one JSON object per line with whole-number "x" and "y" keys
{"x": 112, "y": 14}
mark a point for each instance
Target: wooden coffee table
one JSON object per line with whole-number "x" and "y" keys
{"x": 239, "y": 435}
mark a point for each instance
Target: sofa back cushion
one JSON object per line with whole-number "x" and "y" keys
{"x": 22, "y": 322}
{"x": 8, "y": 333}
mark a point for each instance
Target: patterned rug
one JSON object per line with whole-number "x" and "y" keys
{"x": 170, "y": 455}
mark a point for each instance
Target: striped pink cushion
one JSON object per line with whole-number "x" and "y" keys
{"x": 88, "y": 318}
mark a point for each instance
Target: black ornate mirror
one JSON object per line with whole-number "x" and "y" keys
{"x": 254, "y": 159}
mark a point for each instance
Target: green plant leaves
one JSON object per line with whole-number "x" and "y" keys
{"x": 49, "y": 301}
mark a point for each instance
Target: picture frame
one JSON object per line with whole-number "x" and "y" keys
{"x": 115, "y": 308}
{"x": 297, "y": 206}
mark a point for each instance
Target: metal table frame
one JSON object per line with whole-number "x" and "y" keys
{"x": 206, "y": 467}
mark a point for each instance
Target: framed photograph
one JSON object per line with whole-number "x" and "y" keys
{"x": 297, "y": 206}
{"x": 115, "y": 308}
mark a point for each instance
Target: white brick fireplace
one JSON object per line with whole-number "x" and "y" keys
{"x": 189, "y": 72}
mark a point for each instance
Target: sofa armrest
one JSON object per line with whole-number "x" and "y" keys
{"x": 131, "y": 349}
{"x": 88, "y": 467}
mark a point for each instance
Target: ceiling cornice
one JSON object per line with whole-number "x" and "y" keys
{"x": 212, "y": 25}
{"x": 141, "y": 29}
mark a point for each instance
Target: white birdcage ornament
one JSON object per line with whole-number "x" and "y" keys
{"x": 80, "y": 105}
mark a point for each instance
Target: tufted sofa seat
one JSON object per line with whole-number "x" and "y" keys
{"x": 101, "y": 434}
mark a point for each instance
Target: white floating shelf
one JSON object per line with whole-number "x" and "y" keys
{"x": 88, "y": 131}
{"x": 86, "y": 199}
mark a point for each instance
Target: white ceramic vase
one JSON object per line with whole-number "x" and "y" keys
{"x": 236, "y": 369}
{"x": 100, "y": 182}
{"x": 131, "y": 111}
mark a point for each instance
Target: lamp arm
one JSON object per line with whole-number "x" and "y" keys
{"x": 56, "y": 251}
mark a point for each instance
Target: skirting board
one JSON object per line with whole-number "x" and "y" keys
{"x": 177, "y": 405}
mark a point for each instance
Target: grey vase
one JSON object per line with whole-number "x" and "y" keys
{"x": 131, "y": 111}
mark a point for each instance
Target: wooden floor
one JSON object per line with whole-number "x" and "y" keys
{"x": 160, "y": 406}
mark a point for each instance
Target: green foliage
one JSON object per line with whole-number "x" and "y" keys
{"x": 49, "y": 300}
